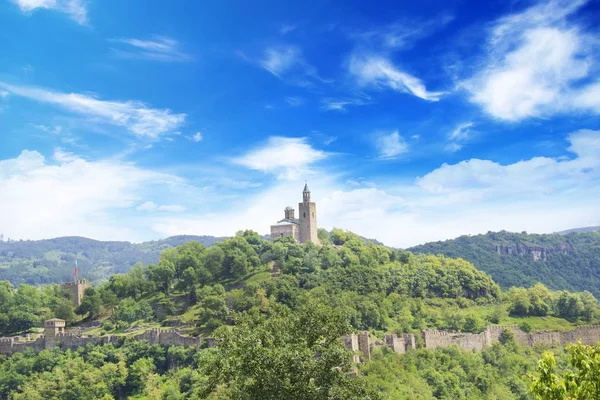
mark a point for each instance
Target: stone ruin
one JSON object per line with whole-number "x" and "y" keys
{"x": 55, "y": 335}
{"x": 362, "y": 346}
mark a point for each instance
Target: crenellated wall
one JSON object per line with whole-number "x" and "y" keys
{"x": 432, "y": 339}
{"x": 66, "y": 340}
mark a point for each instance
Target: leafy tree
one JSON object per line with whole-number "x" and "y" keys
{"x": 581, "y": 383}
{"x": 287, "y": 356}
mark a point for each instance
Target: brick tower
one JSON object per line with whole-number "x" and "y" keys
{"x": 307, "y": 218}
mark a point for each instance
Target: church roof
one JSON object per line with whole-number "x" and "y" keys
{"x": 306, "y": 187}
{"x": 287, "y": 222}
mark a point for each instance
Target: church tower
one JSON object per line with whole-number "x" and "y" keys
{"x": 307, "y": 218}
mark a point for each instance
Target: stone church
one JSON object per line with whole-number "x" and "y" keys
{"x": 303, "y": 228}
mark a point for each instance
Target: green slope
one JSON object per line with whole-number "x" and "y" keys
{"x": 570, "y": 261}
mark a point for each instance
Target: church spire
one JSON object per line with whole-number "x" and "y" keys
{"x": 306, "y": 193}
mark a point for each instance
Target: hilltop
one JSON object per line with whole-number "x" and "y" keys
{"x": 561, "y": 261}
{"x": 52, "y": 260}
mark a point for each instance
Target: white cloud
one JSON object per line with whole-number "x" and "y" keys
{"x": 78, "y": 197}
{"x": 539, "y": 64}
{"x": 3, "y": 93}
{"x": 160, "y": 48}
{"x": 286, "y": 28}
{"x": 294, "y": 101}
{"x": 197, "y": 137}
{"x": 76, "y": 9}
{"x": 282, "y": 156}
{"x": 135, "y": 116}
{"x": 340, "y": 104}
{"x": 461, "y": 132}
{"x": 378, "y": 71}
{"x": 390, "y": 145}
{"x": 55, "y": 130}
{"x": 278, "y": 60}
{"x": 151, "y": 206}
{"x": 72, "y": 196}
{"x": 459, "y": 135}
{"x": 403, "y": 33}
{"x": 540, "y": 175}
{"x": 453, "y": 147}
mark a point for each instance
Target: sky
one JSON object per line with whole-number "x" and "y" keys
{"x": 411, "y": 121}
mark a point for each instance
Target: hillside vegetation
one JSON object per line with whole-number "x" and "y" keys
{"x": 53, "y": 260}
{"x": 570, "y": 261}
{"x": 273, "y": 306}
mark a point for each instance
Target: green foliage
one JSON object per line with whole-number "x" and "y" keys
{"x": 286, "y": 356}
{"x": 51, "y": 261}
{"x": 583, "y": 382}
{"x": 572, "y": 261}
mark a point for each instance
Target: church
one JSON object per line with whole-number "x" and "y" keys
{"x": 303, "y": 228}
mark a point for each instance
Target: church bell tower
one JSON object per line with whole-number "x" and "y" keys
{"x": 308, "y": 218}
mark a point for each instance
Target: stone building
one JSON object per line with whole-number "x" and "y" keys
{"x": 77, "y": 290}
{"x": 303, "y": 228}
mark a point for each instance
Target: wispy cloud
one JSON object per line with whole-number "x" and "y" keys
{"x": 151, "y": 206}
{"x": 55, "y": 130}
{"x": 390, "y": 145}
{"x": 197, "y": 137}
{"x": 461, "y": 132}
{"x": 159, "y": 48}
{"x": 340, "y": 104}
{"x": 403, "y": 33}
{"x": 538, "y": 64}
{"x": 453, "y": 147}
{"x": 284, "y": 29}
{"x": 282, "y": 156}
{"x": 75, "y": 9}
{"x": 287, "y": 63}
{"x": 278, "y": 60}
{"x": 134, "y": 116}
{"x": 378, "y": 71}
{"x": 294, "y": 101}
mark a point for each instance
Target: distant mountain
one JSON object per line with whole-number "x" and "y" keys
{"x": 53, "y": 260}
{"x": 580, "y": 230}
{"x": 560, "y": 261}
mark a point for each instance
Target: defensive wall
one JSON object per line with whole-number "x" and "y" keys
{"x": 362, "y": 346}
{"x": 66, "y": 340}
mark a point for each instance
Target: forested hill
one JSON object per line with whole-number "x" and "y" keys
{"x": 570, "y": 261}
{"x": 53, "y": 260}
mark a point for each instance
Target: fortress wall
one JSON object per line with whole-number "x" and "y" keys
{"x": 69, "y": 341}
{"x": 589, "y": 335}
{"x": 350, "y": 342}
{"x": 397, "y": 344}
{"x": 173, "y": 338}
{"x": 363, "y": 346}
{"x": 409, "y": 341}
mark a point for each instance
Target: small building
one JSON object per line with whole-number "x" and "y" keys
{"x": 52, "y": 329}
{"x": 304, "y": 228}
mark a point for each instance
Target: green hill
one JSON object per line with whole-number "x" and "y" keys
{"x": 560, "y": 261}
{"x": 53, "y": 260}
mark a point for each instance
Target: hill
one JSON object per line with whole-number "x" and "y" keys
{"x": 53, "y": 260}
{"x": 276, "y": 311}
{"x": 580, "y": 230}
{"x": 570, "y": 261}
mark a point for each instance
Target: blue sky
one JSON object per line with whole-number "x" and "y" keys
{"x": 139, "y": 120}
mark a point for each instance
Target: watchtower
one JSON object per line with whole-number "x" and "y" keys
{"x": 53, "y": 328}
{"x": 76, "y": 288}
{"x": 308, "y": 218}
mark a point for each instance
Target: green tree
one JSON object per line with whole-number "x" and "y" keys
{"x": 287, "y": 356}
{"x": 580, "y": 384}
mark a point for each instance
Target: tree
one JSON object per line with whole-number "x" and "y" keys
{"x": 581, "y": 384}
{"x": 162, "y": 275}
{"x": 287, "y": 356}
{"x": 91, "y": 303}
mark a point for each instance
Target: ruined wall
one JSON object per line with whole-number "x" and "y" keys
{"x": 71, "y": 341}
{"x": 16, "y": 344}
{"x": 169, "y": 337}
{"x": 363, "y": 346}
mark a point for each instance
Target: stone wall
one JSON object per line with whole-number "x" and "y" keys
{"x": 432, "y": 339}
{"x": 169, "y": 337}
{"x": 67, "y": 340}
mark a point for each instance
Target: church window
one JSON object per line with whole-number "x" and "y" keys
{"x": 303, "y": 215}
{"x": 313, "y": 215}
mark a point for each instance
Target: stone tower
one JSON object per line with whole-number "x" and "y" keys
{"x": 52, "y": 329}
{"x": 307, "y": 218}
{"x": 76, "y": 288}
